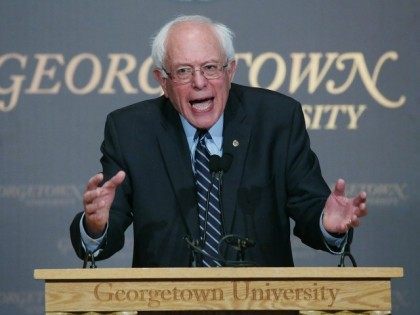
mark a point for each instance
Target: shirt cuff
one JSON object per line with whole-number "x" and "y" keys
{"x": 91, "y": 244}
{"x": 332, "y": 241}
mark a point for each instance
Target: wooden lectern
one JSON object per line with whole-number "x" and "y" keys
{"x": 308, "y": 290}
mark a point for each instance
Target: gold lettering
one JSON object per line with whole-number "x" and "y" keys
{"x": 175, "y": 293}
{"x": 166, "y": 295}
{"x": 315, "y": 77}
{"x": 277, "y": 293}
{"x": 288, "y": 294}
{"x": 94, "y": 78}
{"x": 132, "y": 295}
{"x": 186, "y": 292}
{"x": 14, "y": 89}
{"x": 315, "y": 115}
{"x": 341, "y": 66}
{"x": 315, "y": 291}
{"x": 307, "y": 294}
{"x": 354, "y": 115}
{"x": 42, "y": 71}
{"x": 313, "y": 69}
{"x": 280, "y": 73}
{"x": 114, "y": 72}
{"x": 258, "y": 292}
{"x": 120, "y": 295}
{"x": 333, "y": 294}
{"x": 153, "y": 301}
{"x": 217, "y": 294}
{"x": 298, "y": 292}
{"x": 141, "y": 297}
{"x": 102, "y": 296}
{"x": 237, "y": 290}
{"x": 369, "y": 81}
{"x": 268, "y": 291}
{"x": 331, "y": 124}
{"x": 143, "y": 78}
{"x": 247, "y": 57}
{"x": 201, "y": 295}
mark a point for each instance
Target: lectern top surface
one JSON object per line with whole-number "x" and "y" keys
{"x": 221, "y": 273}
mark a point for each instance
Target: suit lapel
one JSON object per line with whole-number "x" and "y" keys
{"x": 176, "y": 155}
{"x": 236, "y": 135}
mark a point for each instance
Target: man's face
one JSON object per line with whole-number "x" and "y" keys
{"x": 200, "y": 101}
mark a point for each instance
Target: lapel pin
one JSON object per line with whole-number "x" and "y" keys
{"x": 235, "y": 143}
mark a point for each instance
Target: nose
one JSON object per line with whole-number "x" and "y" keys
{"x": 199, "y": 81}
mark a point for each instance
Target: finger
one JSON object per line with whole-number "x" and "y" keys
{"x": 115, "y": 181}
{"x": 90, "y": 195}
{"x": 340, "y": 187}
{"x": 361, "y": 210}
{"x": 94, "y": 207}
{"x": 355, "y": 222}
{"x": 350, "y": 223}
{"x": 361, "y": 198}
{"x": 345, "y": 226}
{"x": 94, "y": 181}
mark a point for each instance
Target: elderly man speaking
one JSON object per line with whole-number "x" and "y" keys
{"x": 210, "y": 172}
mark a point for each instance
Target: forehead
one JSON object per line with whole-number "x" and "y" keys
{"x": 192, "y": 43}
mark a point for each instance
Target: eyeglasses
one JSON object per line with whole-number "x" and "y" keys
{"x": 184, "y": 74}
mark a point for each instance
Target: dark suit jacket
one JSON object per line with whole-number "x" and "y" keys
{"x": 274, "y": 176}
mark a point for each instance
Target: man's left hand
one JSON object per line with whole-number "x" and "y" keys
{"x": 342, "y": 213}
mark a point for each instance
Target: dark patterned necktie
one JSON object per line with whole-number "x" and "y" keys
{"x": 208, "y": 202}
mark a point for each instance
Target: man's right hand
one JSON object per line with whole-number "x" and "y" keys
{"x": 97, "y": 202}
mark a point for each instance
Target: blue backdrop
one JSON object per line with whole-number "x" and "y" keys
{"x": 65, "y": 64}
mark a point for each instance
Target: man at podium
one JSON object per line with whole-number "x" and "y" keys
{"x": 210, "y": 172}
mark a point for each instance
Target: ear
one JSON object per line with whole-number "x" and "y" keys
{"x": 231, "y": 70}
{"x": 162, "y": 80}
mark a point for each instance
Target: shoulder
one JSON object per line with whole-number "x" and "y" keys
{"x": 261, "y": 101}
{"x": 143, "y": 110}
{"x": 141, "y": 118}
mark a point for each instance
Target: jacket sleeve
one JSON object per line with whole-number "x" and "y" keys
{"x": 307, "y": 191}
{"x": 120, "y": 216}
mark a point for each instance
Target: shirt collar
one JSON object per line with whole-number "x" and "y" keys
{"x": 216, "y": 132}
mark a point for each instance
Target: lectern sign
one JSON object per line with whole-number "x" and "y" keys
{"x": 254, "y": 294}
{"x": 219, "y": 289}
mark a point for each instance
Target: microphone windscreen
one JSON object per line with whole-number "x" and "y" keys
{"x": 214, "y": 163}
{"x": 226, "y": 162}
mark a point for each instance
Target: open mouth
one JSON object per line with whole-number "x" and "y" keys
{"x": 202, "y": 104}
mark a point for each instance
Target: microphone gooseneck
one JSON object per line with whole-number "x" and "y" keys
{"x": 240, "y": 244}
{"x": 347, "y": 251}
{"x": 195, "y": 248}
{"x": 217, "y": 167}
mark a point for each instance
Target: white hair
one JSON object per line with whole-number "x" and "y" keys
{"x": 224, "y": 34}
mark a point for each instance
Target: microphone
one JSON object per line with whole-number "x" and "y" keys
{"x": 226, "y": 162}
{"x": 235, "y": 240}
{"x": 219, "y": 164}
{"x": 240, "y": 244}
{"x": 347, "y": 251}
{"x": 89, "y": 257}
{"x": 196, "y": 249}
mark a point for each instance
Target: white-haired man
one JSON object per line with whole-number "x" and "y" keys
{"x": 153, "y": 179}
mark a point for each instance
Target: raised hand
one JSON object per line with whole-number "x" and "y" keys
{"x": 342, "y": 213}
{"x": 97, "y": 202}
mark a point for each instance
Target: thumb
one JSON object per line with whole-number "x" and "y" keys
{"x": 115, "y": 181}
{"x": 340, "y": 187}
